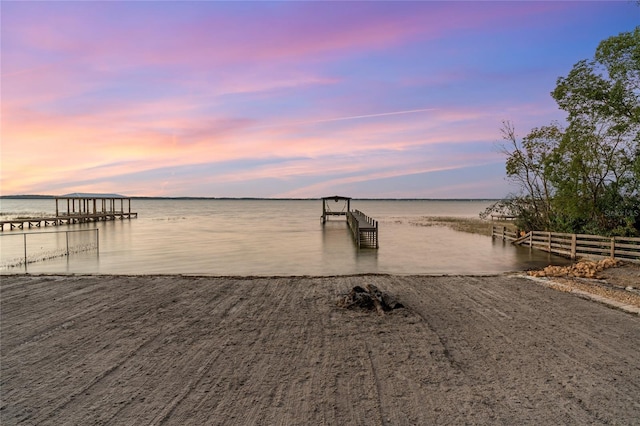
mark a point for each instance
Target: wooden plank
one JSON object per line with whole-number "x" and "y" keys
{"x": 591, "y": 237}
{"x": 605, "y": 250}
{"x": 591, "y": 243}
{"x": 631, "y": 246}
{"x": 628, "y": 239}
{"x": 560, "y": 234}
{"x": 65, "y": 219}
{"x": 627, "y": 253}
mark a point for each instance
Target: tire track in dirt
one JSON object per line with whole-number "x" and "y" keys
{"x": 268, "y": 351}
{"x": 183, "y": 353}
{"x": 376, "y": 383}
{"x": 166, "y": 412}
{"x": 485, "y": 333}
{"x": 47, "y": 414}
{"x": 144, "y": 311}
{"x": 442, "y": 379}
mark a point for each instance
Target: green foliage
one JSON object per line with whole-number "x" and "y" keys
{"x": 584, "y": 178}
{"x": 621, "y": 56}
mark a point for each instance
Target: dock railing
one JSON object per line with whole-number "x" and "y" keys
{"x": 573, "y": 246}
{"x": 363, "y": 228}
{"x": 20, "y": 249}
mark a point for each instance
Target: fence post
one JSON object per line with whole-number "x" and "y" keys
{"x": 97, "y": 241}
{"x": 25, "y": 249}
{"x": 67, "y": 235}
{"x": 504, "y": 233}
{"x": 549, "y": 242}
{"x": 574, "y": 243}
{"x": 613, "y": 247}
{"x": 530, "y": 239}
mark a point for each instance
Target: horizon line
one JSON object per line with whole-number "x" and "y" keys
{"x": 187, "y": 197}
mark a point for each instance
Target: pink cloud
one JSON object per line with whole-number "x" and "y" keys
{"x": 146, "y": 144}
{"x": 218, "y": 37}
{"x": 94, "y": 93}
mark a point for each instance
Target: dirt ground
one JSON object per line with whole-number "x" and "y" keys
{"x": 626, "y": 275}
{"x": 273, "y": 351}
{"x": 618, "y": 285}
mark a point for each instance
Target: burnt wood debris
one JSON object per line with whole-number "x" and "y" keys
{"x": 368, "y": 298}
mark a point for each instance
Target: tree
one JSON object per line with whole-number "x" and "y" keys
{"x": 585, "y": 177}
{"x": 528, "y": 165}
{"x": 621, "y": 56}
{"x": 598, "y": 188}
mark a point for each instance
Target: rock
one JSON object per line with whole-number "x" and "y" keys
{"x": 582, "y": 269}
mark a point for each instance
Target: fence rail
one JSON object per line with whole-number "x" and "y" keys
{"x": 364, "y": 229}
{"x": 25, "y": 254}
{"x": 573, "y": 245}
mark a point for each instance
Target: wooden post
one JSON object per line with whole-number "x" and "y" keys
{"x": 530, "y": 239}
{"x": 324, "y": 211}
{"x": 504, "y": 233}
{"x": 549, "y": 242}
{"x": 613, "y": 247}
{"x": 574, "y": 243}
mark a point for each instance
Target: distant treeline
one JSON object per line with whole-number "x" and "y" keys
{"x": 30, "y": 196}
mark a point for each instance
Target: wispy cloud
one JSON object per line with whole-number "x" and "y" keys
{"x": 352, "y": 117}
{"x": 277, "y": 98}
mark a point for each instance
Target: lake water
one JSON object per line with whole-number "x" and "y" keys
{"x": 259, "y": 238}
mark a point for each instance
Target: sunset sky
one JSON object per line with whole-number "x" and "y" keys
{"x": 282, "y": 99}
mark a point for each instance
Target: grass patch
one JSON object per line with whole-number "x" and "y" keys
{"x": 462, "y": 224}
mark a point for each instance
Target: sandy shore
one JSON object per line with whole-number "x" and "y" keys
{"x": 269, "y": 351}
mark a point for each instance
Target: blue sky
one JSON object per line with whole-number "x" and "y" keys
{"x": 282, "y": 99}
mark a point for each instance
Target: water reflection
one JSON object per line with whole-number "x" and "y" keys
{"x": 253, "y": 237}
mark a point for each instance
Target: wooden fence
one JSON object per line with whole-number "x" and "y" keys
{"x": 573, "y": 245}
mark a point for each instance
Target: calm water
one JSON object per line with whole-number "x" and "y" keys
{"x": 261, "y": 237}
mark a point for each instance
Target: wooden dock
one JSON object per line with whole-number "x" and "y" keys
{"x": 78, "y": 210}
{"x": 363, "y": 228}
